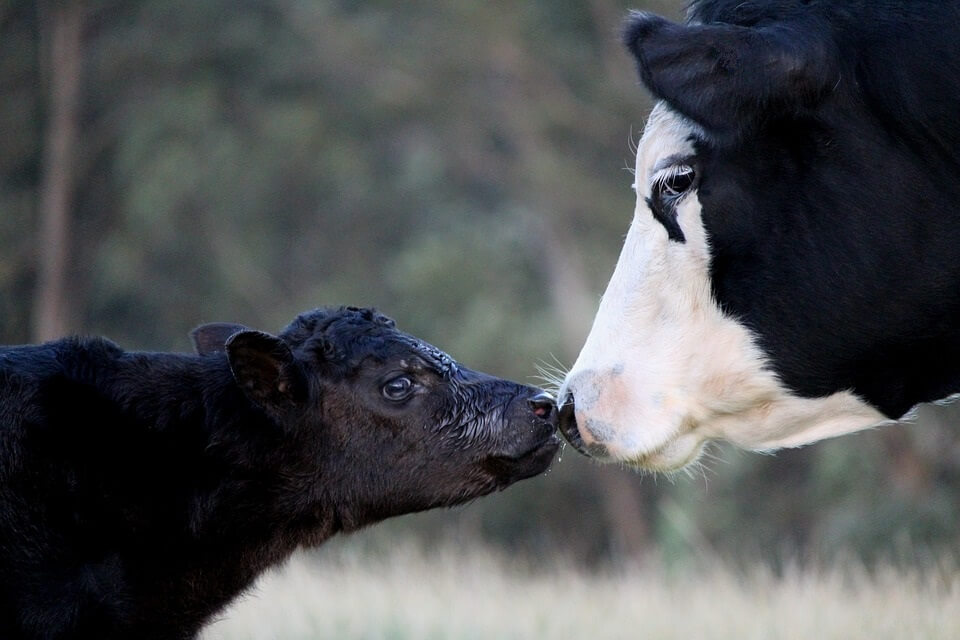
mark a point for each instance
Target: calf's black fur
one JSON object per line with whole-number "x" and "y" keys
{"x": 141, "y": 492}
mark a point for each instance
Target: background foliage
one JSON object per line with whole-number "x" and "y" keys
{"x": 463, "y": 166}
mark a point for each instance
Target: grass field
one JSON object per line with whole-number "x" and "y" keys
{"x": 345, "y": 592}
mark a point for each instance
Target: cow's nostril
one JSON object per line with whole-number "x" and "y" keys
{"x": 566, "y": 407}
{"x": 568, "y": 424}
{"x": 542, "y": 405}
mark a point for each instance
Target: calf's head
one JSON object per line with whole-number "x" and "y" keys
{"x": 395, "y": 424}
{"x": 783, "y": 279}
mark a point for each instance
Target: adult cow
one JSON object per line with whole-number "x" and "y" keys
{"x": 792, "y": 271}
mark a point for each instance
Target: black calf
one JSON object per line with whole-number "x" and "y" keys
{"x": 141, "y": 492}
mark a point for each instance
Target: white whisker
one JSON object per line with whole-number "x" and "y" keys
{"x": 633, "y": 141}
{"x": 551, "y": 374}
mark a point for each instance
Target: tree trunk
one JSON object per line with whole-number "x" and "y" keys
{"x": 61, "y": 26}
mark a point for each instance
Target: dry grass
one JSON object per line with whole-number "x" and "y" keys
{"x": 344, "y": 593}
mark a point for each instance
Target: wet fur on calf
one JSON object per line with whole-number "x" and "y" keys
{"x": 141, "y": 492}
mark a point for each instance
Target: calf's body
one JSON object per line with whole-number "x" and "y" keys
{"x": 141, "y": 492}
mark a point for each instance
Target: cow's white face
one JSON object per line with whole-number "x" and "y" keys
{"x": 664, "y": 370}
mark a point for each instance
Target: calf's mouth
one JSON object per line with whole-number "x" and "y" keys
{"x": 532, "y": 441}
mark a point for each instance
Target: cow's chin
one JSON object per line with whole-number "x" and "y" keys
{"x": 672, "y": 454}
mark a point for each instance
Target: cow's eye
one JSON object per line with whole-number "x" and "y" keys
{"x": 673, "y": 182}
{"x": 398, "y": 388}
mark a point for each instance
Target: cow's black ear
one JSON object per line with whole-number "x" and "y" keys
{"x": 266, "y": 370}
{"x": 727, "y": 77}
{"x": 212, "y": 337}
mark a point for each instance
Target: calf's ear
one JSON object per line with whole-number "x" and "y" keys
{"x": 212, "y": 337}
{"x": 727, "y": 77}
{"x": 266, "y": 370}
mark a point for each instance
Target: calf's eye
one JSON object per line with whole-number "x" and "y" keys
{"x": 398, "y": 388}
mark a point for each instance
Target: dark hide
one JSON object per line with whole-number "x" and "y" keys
{"x": 141, "y": 492}
{"x": 828, "y": 160}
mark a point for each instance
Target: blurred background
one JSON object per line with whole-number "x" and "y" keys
{"x": 463, "y": 167}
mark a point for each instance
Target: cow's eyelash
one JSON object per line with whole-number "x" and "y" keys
{"x": 672, "y": 181}
{"x": 668, "y": 186}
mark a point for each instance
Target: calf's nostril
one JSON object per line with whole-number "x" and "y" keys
{"x": 542, "y": 405}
